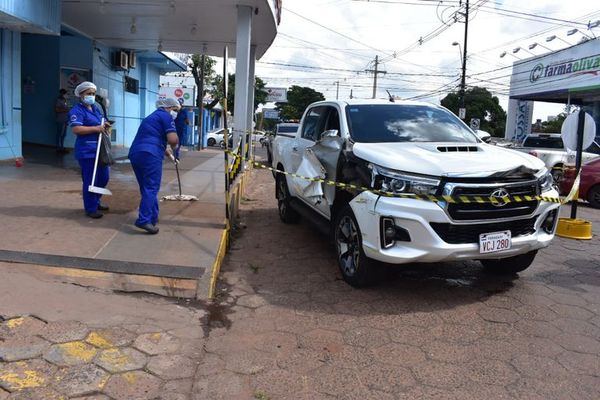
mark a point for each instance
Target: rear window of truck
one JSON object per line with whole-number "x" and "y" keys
{"x": 544, "y": 142}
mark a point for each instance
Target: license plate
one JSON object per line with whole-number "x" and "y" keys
{"x": 494, "y": 241}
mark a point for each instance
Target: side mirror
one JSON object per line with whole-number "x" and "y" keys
{"x": 330, "y": 133}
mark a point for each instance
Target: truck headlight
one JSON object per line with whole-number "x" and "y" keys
{"x": 396, "y": 182}
{"x": 546, "y": 181}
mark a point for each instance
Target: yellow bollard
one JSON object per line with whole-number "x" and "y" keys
{"x": 574, "y": 228}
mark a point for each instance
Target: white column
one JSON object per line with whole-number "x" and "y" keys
{"x": 242, "y": 72}
{"x": 251, "y": 81}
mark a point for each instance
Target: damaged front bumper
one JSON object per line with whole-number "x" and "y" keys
{"x": 423, "y": 231}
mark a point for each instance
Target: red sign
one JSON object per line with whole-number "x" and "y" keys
{"x": 178, "y": 92}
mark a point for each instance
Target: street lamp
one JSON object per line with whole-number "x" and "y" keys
{"x": 534, "y": 45}
{"x": 459, "y": 50}
{"x": 463, "y": 61}
{"x": 551, "y": 38}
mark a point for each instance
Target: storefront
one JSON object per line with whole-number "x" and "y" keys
{"x": 570, "y": 76}
{"x": 120, "y": 45}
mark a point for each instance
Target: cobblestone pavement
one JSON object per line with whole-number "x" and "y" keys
{"x": 285, "y": 326}
{"x": 292, "y": 329}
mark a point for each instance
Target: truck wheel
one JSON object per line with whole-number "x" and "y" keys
{"x": 286, "y": 213}
{"x": 357, "y": 270}
{"x": 593, "y": 196}
{"x": 509, "y": 265}
{"x": 211, "y": 142}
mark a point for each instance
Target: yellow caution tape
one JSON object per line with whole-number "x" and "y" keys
{"x": 432, "y": 198}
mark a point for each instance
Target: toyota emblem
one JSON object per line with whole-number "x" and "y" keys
{"x": 500, "y": 197}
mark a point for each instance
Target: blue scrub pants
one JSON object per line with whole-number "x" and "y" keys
{"x": 148, "y": 171}
{"x": 91, "y": 200}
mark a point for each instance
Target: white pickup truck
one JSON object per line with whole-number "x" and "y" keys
{"x": 549, "y": 148}
{"x": 407, "y": 149}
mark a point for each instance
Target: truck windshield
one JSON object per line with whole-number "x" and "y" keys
{"x": 376, "y": 123}
{"x": 544, "y": 142}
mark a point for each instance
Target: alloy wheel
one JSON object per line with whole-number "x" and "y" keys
{"x": 348, "y": 244}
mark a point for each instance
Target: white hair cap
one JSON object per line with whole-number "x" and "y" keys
{"x": 83, "y": 86}
{"x": 167, "y": 102}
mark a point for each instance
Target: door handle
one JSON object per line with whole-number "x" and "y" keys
{"x": 295, "y": 148}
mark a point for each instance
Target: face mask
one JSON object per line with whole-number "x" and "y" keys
{"x": 89, "y": 100}
{"x": 173, "y": 114}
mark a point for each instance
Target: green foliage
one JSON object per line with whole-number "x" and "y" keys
{"x": 479, "y": 104}
{"x": 260, "y": 94}
{"x": 554, "y": 126}
{"x": 298, "y": 99}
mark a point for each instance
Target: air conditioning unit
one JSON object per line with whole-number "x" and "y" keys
{"x": 132, "y": 59}
{"x": 121, "y": 60}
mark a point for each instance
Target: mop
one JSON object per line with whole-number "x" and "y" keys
{"x": 92, "y": 188}
{"x": 178, "y": 197}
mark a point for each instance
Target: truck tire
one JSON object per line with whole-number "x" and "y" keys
{"x": 286, "y": 213}
{"x": 593, "y": 196}
{"x": 509, "y": 265}
{"x": 356, "y": 269}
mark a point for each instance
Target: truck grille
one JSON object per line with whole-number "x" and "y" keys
{"x": 462, "y": 234}
{"x": 477, "y": 211}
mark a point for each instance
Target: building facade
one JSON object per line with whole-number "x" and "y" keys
{"x": 569, "y": 76}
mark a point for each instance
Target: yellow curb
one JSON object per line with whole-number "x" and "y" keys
{"x": 216, "y": 268}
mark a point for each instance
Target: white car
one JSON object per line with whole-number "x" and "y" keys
{"x": 215, "y": 138}
{"x": 258, "y": 137}
{"x": 413, "y": 185}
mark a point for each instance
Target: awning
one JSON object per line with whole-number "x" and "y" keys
{"x": 182, "y": 26}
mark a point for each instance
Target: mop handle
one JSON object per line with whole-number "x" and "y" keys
{"x": 176, "y": 162}
{"x": 97, "y": 155}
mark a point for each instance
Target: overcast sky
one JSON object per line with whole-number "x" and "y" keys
{"x": 321, "y": 42}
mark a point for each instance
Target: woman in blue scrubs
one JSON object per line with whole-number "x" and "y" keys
{"x": 155, "y": 138}
{"x": 85, "y": 119}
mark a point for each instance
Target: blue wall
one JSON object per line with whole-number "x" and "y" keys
{"x": 40, "y": 87}
{"x": 30, "y": 68}
{"x": 10, "y": 95}
{"x": 72, "y": 51}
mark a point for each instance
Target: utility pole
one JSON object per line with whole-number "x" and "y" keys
{"x": 462, "y": 112}
{"x": 375, "y": 72}
{"x": 337, "y": 90}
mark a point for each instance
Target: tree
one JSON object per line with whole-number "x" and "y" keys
{"x": 260, "y": 94}
{"x": 298, "y": 99}
{"x": 195, "y": 65}
{"x": 479, "y": 103}
{"x": 555, "y": 125}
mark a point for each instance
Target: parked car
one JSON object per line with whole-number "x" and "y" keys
{"x": 549, "y": 147}
{"x": 411, "y": 149}
{"x": 215, "y": 138}
{"x": 589, "y": 186}
{"x": 258, "y": 137}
